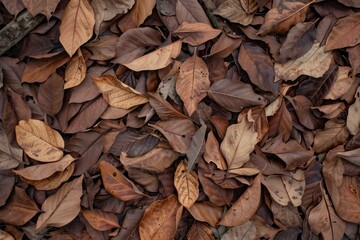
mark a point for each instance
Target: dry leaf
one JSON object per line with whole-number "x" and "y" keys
{"x": 117, "y": 184}
{"x": 200, "y": 231}
{"x": 245, "y": 231}
{"x": 190, "y": 11}
{"x": 206, "y": 212}
{"x": 101, "y": 221}
{"x": 343, "y": 82}
{"x": 245, "y": 207}
{"x": 314, "y": 63}
{"x": 187, "y": 185}
{"x": 233, "y": 11}
{"x": 62, "y": 207}
{"x": 161, "y": 219}
{"x": 6, "y": 236}
{"x": 157, "y": 59}
{"x": 353, "y": 119}
{"x": 196, "y": 33}
{"x": 192, "y": 82}
{"x": 224, "y": 46}
{"x": 197, "y": 146}
{"x": 45, "y": 7}
{"x": 77, "y": 25}
{"x": 39, "y": 141}
{"x": 212, "y": 152}
{"x": 75, "y": 71}
{"x": 238, "y": 143}
{"x": 333, "y": 134}
{"x": 118, "y": 94}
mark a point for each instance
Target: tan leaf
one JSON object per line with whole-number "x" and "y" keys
{"x": 314, "y": 63}
{"x": 245, "y": 231}
{"x": 323, "y": 219}
{"x": 101, "y": 221}
{"x": 342, "y": 84}
{"x": 137, "y": 15}
{"x": 54, "y": 181}
{"x": 187, "y": 185}
{"x": 117, "y": 184}
{"x": 156, "y": 160}
{"x": 276, "y": 188}
{"x": 118, "y": 94}
{"x": 249, "y": 6}
{"x": 345, "y": 33}
{"x": 196, "y": 33}
{"x": 333, "y": 134}
{"x": 245, "y": 207}
{"x": 157, "y": 59}
{"x": 200, "y": 231}
{"x": 77, "y": 25}
{"x": 39, "y": 141}
{"x": 43, "y": 6}
{"x": 163, "y": 108}
{"x": 42, "y": 171}
{"x": 161, "y": 219}
{"x": 212, "y": 152}
{"x": 234, "y": 12}
{"x": 281, "y": 18}
{"x": 192, "y": 82}
{"x": 62, "y": 207}
{"x": 287, "y": 216}
{"x": 239, "y": 141}
{"x": 353, "y": 118}
{"x": 206, "y": 212}
{"x": 75, "y": 71}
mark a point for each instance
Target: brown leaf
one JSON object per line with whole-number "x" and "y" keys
{"x": 234, "y": 95}
{"x": 196, "y": 33}
{"x": 282, "y": 17}
{"x": 118, "y": 94}
{"x": 257, "y": 63}
{"x": 163, "y": 108}
{"x": 161, "y": 219}
{"x": 245, "y": 231}
{"x": 333, "y": 134}
{"x": 134, "y": 43}
{"x": 345, "y": 33}
{"x": 353, "y": 59}
{"x": 199, "y": 231}
{"x": 245, "y": 206}
{"x": 192, "y": 82}
{"x": 187, "y": 185}
{"x": 39, "y": 70}
{"x": 6, "y": 236}
{"x": 249, "y": 6}
{"x": 156, "y": 160}
{"x": 224, "y": 46}
{"x": 75, "y": 71}
{"x": 137, "y": 15}
{"x": 77, "y": 25}
{"x": 206, "y": 212}
{"x": 101, "y": 221}
{"x": 62, "y": 207}
{"x": 50, "y": 95}
{"x": 197, "y": 148}
{"x": 103, "y": 49}
{"x": 7, "y": 184}
{"x": 350, "y": 3}
{"x": 238, "y": 143}
{"x": 42, "y": 171}
{"x": 190, "y": 11}
{"x": 314, "y": 63}
{"x": 233, "y": 11}
{"x": 281, "y": 123}
{"x": 13, "y": 7}
{"x": 108, "y": 9}
{"x": 130, "y": 225}
{"x": 19, "y": 208}
{"x": 212, "y": 152}
{"x": 343, "y": 82}
{"x": 323, "y": 220}
{"x": 157, "y": 59}
{"x": 117, "y": 184}
{"x": 45, "y": 7}
{"x": 287, "y": 216}
{"x": 303, "y": 111}
{"x": 353, "y": 119}
{"x": 39, "y": 141}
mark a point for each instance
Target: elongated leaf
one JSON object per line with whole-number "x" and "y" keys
{"x": 161, "y": 219}
{"x": 234, "y": 95}
{"x": 50, "y": 95}
{"x": 77, "y": 25}
{"x": 118, "y": 94}
{"x": 75, "y": 71}
{"x": 187, "y": 185}
{"x": 245, "y": 207}
{"x": 42, "y": 171}
{"x": 196, "y": 33}
{"x": 62, "y": 207}
{"x": 163, "y": 108}
{"x": 117, "y": 184}
{"x": 39, "y": 141}
{"x": 100, "y": 220}
{"x": 192, "y": 82}
{"x": 281, "y": 18}
{"x": 197, "y": 146}
{"x": 157, "y": 59}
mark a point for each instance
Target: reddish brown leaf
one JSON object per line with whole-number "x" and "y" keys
{"x": 190, "y": 11}
{"x": 206, "y": 212}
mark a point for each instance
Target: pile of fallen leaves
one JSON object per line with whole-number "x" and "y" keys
{"x": 181, "y": 119}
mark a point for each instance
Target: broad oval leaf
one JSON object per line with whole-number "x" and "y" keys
{"x": 234, "y": 95}
{"x": 157, "y": 59}
{"x": 245, "y": 207}
{"x": 187, "y": 185}
{"x": 118, "y": 94}
{"x": 117, "y": 184}
{"x": 101, "y": 221}
{"x": 43, "y": 6}
{"x": 192, "y": 82}
{"x": 76, "y": 28}
{"x": 62, "y": 207}
{"x": 206, "y": 212}
{"x": 160, "y": 219}
{"x": 39, "y": 141}
{"x": 239, "y": 141}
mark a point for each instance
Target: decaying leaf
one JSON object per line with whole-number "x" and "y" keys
{"x": 187, "y": 185}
